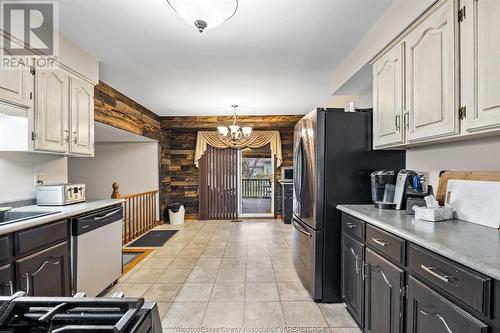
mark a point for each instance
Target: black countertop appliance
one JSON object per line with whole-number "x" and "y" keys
{"x": 333, "y": 159}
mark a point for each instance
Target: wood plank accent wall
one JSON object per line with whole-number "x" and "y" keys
{"x": 177, "y": 138}
{"x": 179, "y": 178}
{"x": 115, "y": 109}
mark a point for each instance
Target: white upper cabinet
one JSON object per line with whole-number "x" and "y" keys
{"x": 15, "y": 89}
{"x": 481, "y": 65}
{"x": 82, "y": 117}
{"x": 431, "y": 76}
{"x": 388, "y": 98}
{"x": 51, "y": 118}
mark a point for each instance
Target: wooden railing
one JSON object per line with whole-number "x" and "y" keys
{"x": 139, "y": 210}
{"x": 255, "y": 188}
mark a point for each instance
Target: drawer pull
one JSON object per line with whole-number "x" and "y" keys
{"x": 431, "y": 271}
{"x": 350, "y": 225}
{"x": 380, "y": 242}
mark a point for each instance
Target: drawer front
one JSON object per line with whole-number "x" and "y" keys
{"x": 470, "y": 287}
{"x": 353, "y": 226}
{"x": 5, "y": 249}
{"x": 432, "y": 313}
{"x": 41, "y": 237}
{"x": 386, "y": 243}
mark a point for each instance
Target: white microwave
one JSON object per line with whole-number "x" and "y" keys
{"x": 286, "y": 174}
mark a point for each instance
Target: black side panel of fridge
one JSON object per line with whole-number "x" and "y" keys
{"x": 349, "y": 160}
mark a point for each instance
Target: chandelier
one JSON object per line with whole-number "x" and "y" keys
{"x": 205, "y": 13}
{"x": 234, "y": 132}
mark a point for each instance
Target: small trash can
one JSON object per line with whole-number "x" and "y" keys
{"x": 176, "y": 213}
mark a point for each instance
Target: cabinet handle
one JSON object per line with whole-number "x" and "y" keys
{"x": 398, "y": 122}
{"x": 11, "y": 287}
{"x": 350, "y": 225}
{"x": 75, "y": 137}
{"x": 380, "y": 242}
{"x": 363, "y": 270}
{"x": 27, "y": 283}
{"x": 431, "y": 271}
{"x": 406, "y": 119}
{"x": 356, "y": 263}
{"x": 439, "y": 317}
{"x": 66, "y": 135}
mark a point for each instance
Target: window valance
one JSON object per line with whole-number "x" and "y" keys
{"x": 256, "y": 140}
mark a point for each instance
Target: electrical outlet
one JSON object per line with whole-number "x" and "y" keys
{"x": 40, "y": 179}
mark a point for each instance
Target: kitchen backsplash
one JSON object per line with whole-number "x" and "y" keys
{"x": 17, "y": 173}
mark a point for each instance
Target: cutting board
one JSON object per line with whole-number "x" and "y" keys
{"x": 463, "y": 175}
{"x": 475, "y": 201}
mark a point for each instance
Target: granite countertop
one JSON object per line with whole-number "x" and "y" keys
{"x": 63, "y": 213}
{"x": 472, "y": 245}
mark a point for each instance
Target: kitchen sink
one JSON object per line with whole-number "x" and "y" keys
{"x": 15, "y": 216}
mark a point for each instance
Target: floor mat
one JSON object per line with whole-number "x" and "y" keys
{"x": 155, "y": 238}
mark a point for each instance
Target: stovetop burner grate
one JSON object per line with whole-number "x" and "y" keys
{"x": 66, "y": 314}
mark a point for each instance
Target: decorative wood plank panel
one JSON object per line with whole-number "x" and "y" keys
{"x": 179, "y": 176}
{"x": 115, "y": 109}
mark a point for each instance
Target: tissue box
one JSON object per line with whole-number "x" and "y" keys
{"x": 433, "y": 214}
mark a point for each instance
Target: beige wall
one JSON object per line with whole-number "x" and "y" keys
{"x": 342, "y": 101}
{"x": 477, "y": 155}
{"x": 133, "y": 165}
{"x": 17, "y": 173}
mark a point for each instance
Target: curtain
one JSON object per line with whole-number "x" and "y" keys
{"x": 256, "y": 140}
{"x": 218, "y": 193}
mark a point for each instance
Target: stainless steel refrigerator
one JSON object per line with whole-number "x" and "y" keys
{"x": 333, "y": 160}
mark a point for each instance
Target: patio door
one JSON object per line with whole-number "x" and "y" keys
{"x": 256, "y": 182}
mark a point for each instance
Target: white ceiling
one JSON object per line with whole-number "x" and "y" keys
{"x": 272, "y": 57}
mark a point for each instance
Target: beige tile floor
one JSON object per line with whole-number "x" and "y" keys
{"x": 225, "y": 277}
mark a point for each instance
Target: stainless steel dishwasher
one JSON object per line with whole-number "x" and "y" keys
{"x": 96, "y": 250}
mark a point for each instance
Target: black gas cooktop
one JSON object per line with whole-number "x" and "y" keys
{"x": 77, "y": 314}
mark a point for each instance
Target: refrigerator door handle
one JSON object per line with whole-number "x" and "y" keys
{"x": 297, "y": 179}
{"x": 300, "y": 229}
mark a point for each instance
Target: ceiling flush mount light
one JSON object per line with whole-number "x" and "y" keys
{"x": 205, "y": 14}
{"x": 234, "y": 132}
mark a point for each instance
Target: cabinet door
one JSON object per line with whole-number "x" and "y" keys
{"x": 51, "y": 112}
{"x": 6, "y": 282}
{"x": 352, "y": 276}
{"x": 383, "y": 295}
{"x": 15, "y": 88}
{"x": 430, "y": 312}
{"x": 480, "y": 69}
{"x": 82, "y": 117}
{"x": 431, "y": 76}
{"x": 45, "y": 273}
{"x": 388, "y": 100}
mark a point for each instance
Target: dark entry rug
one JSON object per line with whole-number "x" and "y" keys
{"x": 155, "y": 238}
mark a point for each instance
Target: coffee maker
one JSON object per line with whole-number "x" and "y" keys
{"x": 383, "y": 184}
